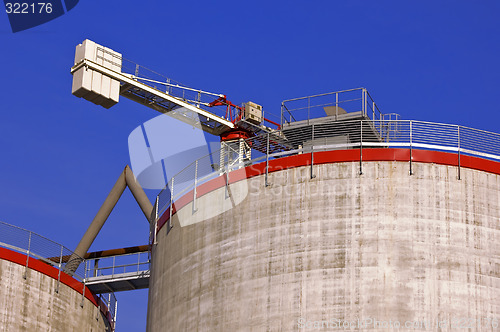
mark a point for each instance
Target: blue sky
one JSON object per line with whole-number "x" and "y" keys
{"x": 60, "y": 155}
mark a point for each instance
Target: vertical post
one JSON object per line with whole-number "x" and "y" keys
{"x": 458, "y": 136}
{"x": 361, "y": 148}
{"x": 366, "y": 102}
{"x": 336, "y": 105}
{"x": 411, "y": 147}
{"x": 96, "y": 266}
{"x": 227, "y": 180}
{"x": 308, "y": 109}
{"x": 312, "y": 152}
{"x": 195, "y": 185}
{"x": 60, "y": 268}
{"x": 267, "y": 160}
{"x": 84, "y": 281}
{"x": 380, "y": 124}
{"x": 27, "y": 257}
{"x": 241, "y": 152}
{"x": 281, "y": 118}
{"x": 157, "y": 203}
{"x": 373, "y": 110}
{"x": 136, "y": 70}
{"x": 171, "y": 206}
{"x": 155, "y": 224}
{"x": 113, "y": 268}
{"x": 116, "y": 309}
{"x": 222, "y": 159}
{"x": 363, "y": 101}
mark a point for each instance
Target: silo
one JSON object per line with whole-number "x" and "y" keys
{"x": 350, "y": 221}
{"x": 35, "y": 292}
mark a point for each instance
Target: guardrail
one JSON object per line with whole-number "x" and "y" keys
{"x": 117, "y": 265}
{"x": 35, "y": 246}
{"x": 315, "y": 106}
{"x": 332, "y": 135}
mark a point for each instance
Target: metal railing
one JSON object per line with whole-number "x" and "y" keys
{"x": 312, "y": 107}
{"x": 111, "y": 304}
{"x": 160, "y": 82}
{"x": 357, "y": 134}
{"x": 112, "y": 266}
{"x": 35, "y": 246}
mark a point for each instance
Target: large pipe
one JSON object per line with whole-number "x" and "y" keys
{"x": 125, "y": 178}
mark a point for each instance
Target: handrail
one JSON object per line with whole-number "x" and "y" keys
{"x": 322, "y": 94}
{"x": 312, "y": 107}
{"x": 138, "y": 262}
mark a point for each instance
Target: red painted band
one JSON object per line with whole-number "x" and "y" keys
{"x": 335, "y": 156}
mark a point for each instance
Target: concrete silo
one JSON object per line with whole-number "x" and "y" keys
{"x": 37, "y": 295}
{"x": 354, "y": 220}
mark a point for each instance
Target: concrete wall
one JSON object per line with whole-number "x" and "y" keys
{"x": 32, "y": 304}
{"x": 384, "y": 246}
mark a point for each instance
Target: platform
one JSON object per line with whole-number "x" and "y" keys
{"x": 118, "y": 282}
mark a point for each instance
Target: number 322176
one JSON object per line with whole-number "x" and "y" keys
{"x": 26, "y": 8}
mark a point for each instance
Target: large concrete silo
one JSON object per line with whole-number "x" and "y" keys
{"x": 382, "y": 225}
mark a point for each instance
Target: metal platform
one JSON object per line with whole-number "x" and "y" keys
{"x": 116, "y": 273}
{"x": 118, "y": 282}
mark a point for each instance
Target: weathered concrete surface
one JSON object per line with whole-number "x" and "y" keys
{"x": 384, "y": 246}
{"x": 33, "y": 304}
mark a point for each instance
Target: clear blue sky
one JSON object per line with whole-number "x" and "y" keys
{"x": 60, "y": 155}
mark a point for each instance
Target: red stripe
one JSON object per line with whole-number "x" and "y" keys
{"x": 336, "y": 156}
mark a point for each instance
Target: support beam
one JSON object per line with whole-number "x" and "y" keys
{"x": 104, "y": 253}
{"x": 125, "y": 179}
{"x": 138, "y": 193}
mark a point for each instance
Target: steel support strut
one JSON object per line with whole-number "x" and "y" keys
{"x": 361, "y": 149}
{"x": 125, "y": 179}
{"x": 458, "y": 135}
{"x": 312, "y": 154}
{"x": 411, "y": 148}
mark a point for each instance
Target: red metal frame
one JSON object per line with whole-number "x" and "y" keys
{"x": 235, "y": 134}
{"x": 222, "y": 101}
{"x": 274, "y": 123}
{"x": 234, "y": 109}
